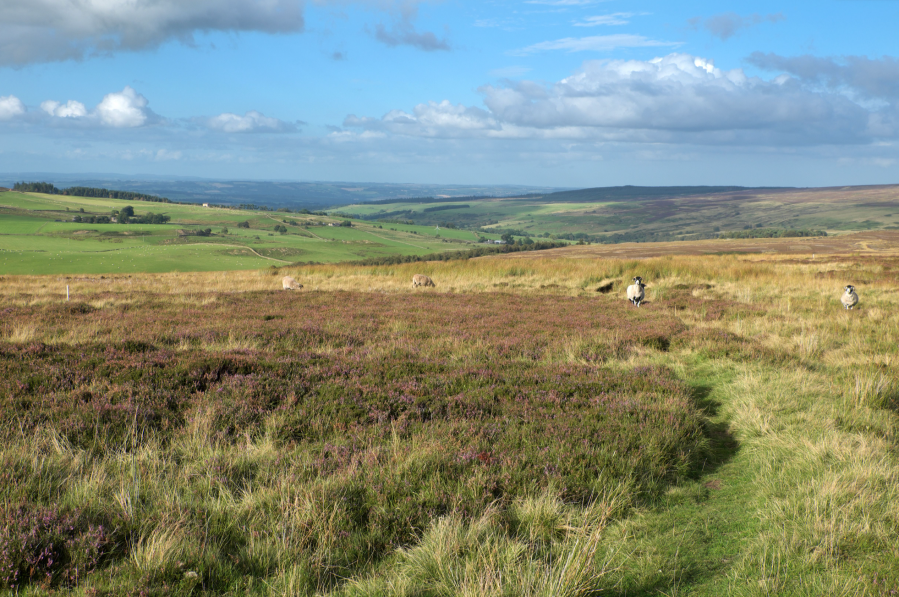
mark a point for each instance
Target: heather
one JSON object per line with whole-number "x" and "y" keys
{"x": 371, "y": 416}
{"x": 518, "y": 430}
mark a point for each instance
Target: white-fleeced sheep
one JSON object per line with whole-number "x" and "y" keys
{"x": 421, "y": 280}
{"x": 635, "y": 293}
{"x": 849, "y": 298}
{"x": 290, "y": 284}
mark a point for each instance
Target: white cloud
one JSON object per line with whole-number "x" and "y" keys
{"x": 10, "y": 107}
{"x": 675, "y": 99}
{"x": 595, "y": 43}
{"x": 616, "y": 18}
{"x": 251, "y": 122}
{"x": 433, "y": 119}
{"x": 70, "y": 109}
{"x": 124, "y": 109}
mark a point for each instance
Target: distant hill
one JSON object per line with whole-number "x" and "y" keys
{"x": 653, "y": 214}
{"x": 292, "y": 194}
{"x": 634, "y": 193}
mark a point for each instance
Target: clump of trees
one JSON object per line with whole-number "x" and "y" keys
{"x": 50, "y": 189}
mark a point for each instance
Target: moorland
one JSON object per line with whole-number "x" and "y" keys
{"x": 520, "y": 429}
{"x": 654, "y": 214}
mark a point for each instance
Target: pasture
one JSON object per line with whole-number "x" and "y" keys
{"x": 38, "y": 236}
{"x": 518, "y": 430}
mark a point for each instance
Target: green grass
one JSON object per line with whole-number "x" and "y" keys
{"x": 33, "y": 242}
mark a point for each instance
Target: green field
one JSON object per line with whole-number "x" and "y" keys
{"x": 38, "y": 236}
{"x": 603, "y": 217}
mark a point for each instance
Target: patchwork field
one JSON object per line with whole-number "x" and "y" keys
{"x": 38, "y": 236}
{"x": 513, "y": 431}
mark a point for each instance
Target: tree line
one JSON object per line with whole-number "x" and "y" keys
{"x": 50, "y": 189}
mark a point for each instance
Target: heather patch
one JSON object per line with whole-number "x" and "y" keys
{"x": 372, "y": 416}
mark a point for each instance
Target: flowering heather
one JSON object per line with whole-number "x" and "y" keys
{"x": 383, "y": 412}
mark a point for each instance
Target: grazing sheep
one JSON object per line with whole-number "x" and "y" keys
{"x": 421, "y": 280}
{"x": 635, "y": 292}
{"x": 290, "y": 284}
{"x": 849, "y": 298}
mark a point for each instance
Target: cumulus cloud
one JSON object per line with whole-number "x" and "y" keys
{"x": 10, "y": 107}
{"x": 675, "y": 99}
{"x": 728, "y": 24}
{"x": 251, "y": 122}
{"x": 124, "y": 109}
{"x": 70, "y": 109}
{"x": 595, "y": 43}
{"x": 45, "y": 30}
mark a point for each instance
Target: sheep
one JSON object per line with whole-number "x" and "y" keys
{"x": 421, "y": 280}
{"x": 290, "y": 284}
{"x": 635, "y": 293}
{"x": 849, "y": 298}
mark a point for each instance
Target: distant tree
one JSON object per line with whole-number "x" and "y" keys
{"x": 224, "y": 231}
{"x": 507, "y": 238}
{"x": 243, "y": 224}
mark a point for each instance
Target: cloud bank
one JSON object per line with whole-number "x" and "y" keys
{"x": 675, "y": 99}
{"x": 251, "y": 122}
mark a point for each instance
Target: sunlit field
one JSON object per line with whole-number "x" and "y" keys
{"x": 38, "y": 236}
{"x": 521, "y": 429}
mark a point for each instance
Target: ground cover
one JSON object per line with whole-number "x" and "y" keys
{"x": 520, "y": 429}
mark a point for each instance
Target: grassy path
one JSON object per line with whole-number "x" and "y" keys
{"x": 690, "y": 542}
{"x": 790, "y": 502}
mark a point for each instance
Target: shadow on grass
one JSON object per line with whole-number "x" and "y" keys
{"x": 689, "y": 539}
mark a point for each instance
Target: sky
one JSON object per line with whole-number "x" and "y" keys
{"x": 567, "y": 93}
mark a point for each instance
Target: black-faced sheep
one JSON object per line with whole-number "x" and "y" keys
{"x": 290, "y": 284}
{"x": 421, "y": 280}
{"x": 635, "y": 293}
{"x": 849, "y": 298}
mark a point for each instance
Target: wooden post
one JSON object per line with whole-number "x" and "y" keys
{"x": 67, "y": 292}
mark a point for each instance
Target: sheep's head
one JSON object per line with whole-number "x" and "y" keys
{"x": 850, "y": 288}
{"x": 638, "y": 280}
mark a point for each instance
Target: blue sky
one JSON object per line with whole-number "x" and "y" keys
{"x": 550, "y": 92}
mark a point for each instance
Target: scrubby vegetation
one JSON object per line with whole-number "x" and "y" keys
{"x": 771, "y": 233}
{"x": 512, "y": 432}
